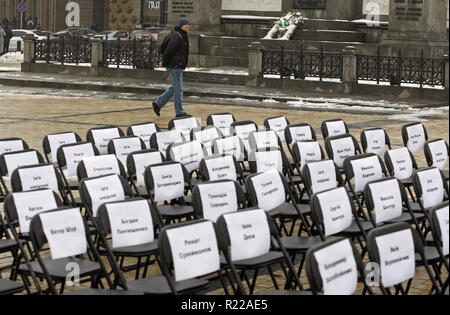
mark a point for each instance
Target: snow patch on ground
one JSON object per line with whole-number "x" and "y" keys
{"x": 12, "y": 57}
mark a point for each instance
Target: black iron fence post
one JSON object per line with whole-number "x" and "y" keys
{"x": 281, "y": 61}
{"x": 62, "y": 52}
{"x": 47, "y": 51}
{"x": 400, "y": 67}
{"x": 118, "y": 53}
{"x": 321, "y": 64}
{"x": 378, "y": 65}
{"x": 421, "y": 64}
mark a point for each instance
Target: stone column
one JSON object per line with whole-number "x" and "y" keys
{"x": 28, "y": 52}
{"x": 349, "y": 68}
{"x": 96, "y": 55}
{"x": 255, "y": 60}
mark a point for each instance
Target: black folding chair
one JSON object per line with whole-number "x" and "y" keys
{"x": 242, "y": 129}
{"x": 184, "y": 125}
{"x": 206, "y": 135}
{"x": 100, "y": 165}
{"x": 52, "y": 142}
{"x": 341, "y": 147}
{"x": 298, "y": 132}
{"x": 232, "y": 145}
{"x": 161, "y": 140}
{"x": 277, "y": 124}
{"x": 101, "y": 136}
{"x": 122, "y": 147}
{"x": 437, "y": 154}
{"x": 414, "y": 136}
{"x": 222, "y": 121}
{"x": 333, "y": 128}
{"x": 143, "y": 131}
{"x": 375, "y": 140}
{"x": 221, "y": 166}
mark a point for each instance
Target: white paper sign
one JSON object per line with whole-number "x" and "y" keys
{"x": 243, "y": 132}
{"x": 230, "y": 146}
{"x": 336, "y": 210}
{"x": 194, "y": 250}
{"x": 264, "y": 139}
{"x": 125, "y": 146}
{"x": 14, "y": 161}
{"x": 218, "y": 199}
{"x": 249, "y": 234}
{"x": 144, "y": 132}
{"x": 58, "y": 140}
{"x": 439, "y": 153}
{"x": 268, "y": 160}
{"x": 342, "y": 148}
{"x": 30, "y": 203}
{"x": 141, "y": 161}
{"x": 186, "y": 125}
{"x": 189, "y": 154}
{"x": 387, "y": 200}
{"x": 278, "y": 125}
{"x": 75, "y": 154}
{"x": 40, "y": 177}
{"x": 65, "y": 233}
{"x": 102, "y": 138}
{"x": 366, "y": 170}
{"x": 309, "y": 152}
{"x": 432, "y": 187}
{"x": 301, "y": 133}
{"x": 376, "y": 141}
{"x": 168, "y": 181}
{"x": 402, "y": 163}
{"x": 416, "y": 137}
{"x": 397, "y": 257}
{"x": 323, "y": 175}
{"x": 442, "y": 216}
{"x": 223, "y": 122}
{"x": 166, "y": 138}
{"x": 206, "y": 135}
{"x": 269, "y": 190}
{"x": 131, "y": 223}
{"x": 104, "y": 189}
{"x": 335, "y": 128}
{"x": 221, "y": 168}
{"x": 337, "y": 268}
{"x": 101, "y": 165}
{"x": 11, "y": 146}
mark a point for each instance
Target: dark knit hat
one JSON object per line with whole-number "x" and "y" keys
{"x": 183, "y": 21}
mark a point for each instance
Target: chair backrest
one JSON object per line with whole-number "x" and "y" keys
{"x": 265, "y": 159}
{"x": 70, "y": 155}
{"x": 12, "y": 160}
{"x": 8, "y": 145}
{"x": 188, "y": 153}
{"x": 385, "y": 199}
{"x": 100, "y": 165}
{"x": 130, "y": 222}
{"x": 245, "y": 234}
{"x": 21, "y": 207}
{"x": 332, "y": 267}
{"x": 206, "y": 135}
{"x": 211, "y": 200}
{"x": 393, "y": 247}
{"x": 414, "y": 136}
{"x": 267, "y": 190}
{"x": 219, "y": 167}
{"x": 277, "y": 124}
{"x": 430, "y": 186}
{"x": 307, "y": 151}
{"x": 363, "y": 169}
{"x": 242, "y": 129}
{"x": 101, "y": 136}
{"x": 341, "y": 147}
{"x": 437, "y": 153}
{"x": 375, "y": 140}
{"x": 334, "y": 127}
{"x": 188, "y": 249}
{"x": 400, "y": 163}
{"x": 439, "y": 225}
{"x": 99, "y": 190}
{"x": 222, "y": 121}
{"x": 332, "y": 211}
{"x": 143, "y": 131}
{"x": 34, "y": 177}
{"x": 52, "y": 142}
{"x": 232, "y": 145}
{"x": 264, "y": 139}
{"x": 184, "y": 125}
{"x": 138, "y": 161}
{"x": 321, "y": 175}
{"x": 166, "y": 181}
{"x": 121, "y": 147}
{"x": 162, "y": 140}
{"x": 299, "y": 132}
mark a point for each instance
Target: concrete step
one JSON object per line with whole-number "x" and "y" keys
{"x": 317, "y": 24}
{"x": 229, "y": 51}
{"x": 330, "y": 35}
{"x": 205, "y": 60}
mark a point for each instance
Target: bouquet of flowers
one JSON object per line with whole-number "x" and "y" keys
{"x": 286, "y": 26}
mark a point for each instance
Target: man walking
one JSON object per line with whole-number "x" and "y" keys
{"x": 2, "y": 39}
{"x": 175, "y": 59}
{"x": 8, "y": 36}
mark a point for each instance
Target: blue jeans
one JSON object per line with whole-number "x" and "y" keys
{"x": 176, "y": 90}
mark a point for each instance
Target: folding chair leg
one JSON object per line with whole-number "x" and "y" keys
{"x": 224, "y": 285}
{"x": 274, "y": 280}
{"x": 147, "y": 262}
{"x": 255, "y": 275}
{"x": 138, "y": 268}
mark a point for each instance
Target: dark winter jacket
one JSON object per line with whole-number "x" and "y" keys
{"x": 176, "y": 54}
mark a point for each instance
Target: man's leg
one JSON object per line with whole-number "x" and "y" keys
{"x": 178, "y": 92}
{"x": 167, "y": 95}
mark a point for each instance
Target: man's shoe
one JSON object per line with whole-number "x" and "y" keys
{"x": 183, "y": 115}
{"x": 156, "y": 109}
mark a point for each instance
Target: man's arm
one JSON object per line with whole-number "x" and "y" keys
{"x": 171, "y": 49}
